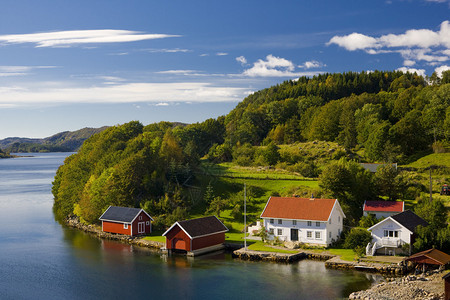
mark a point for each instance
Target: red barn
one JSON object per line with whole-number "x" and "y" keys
{"x": 196, "y": 236}
{"x": 126, "y": 220}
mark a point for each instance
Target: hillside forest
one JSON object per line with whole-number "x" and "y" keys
{"x": 302, "y": 137}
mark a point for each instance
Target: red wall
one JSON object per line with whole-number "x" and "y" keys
{"x": 207, "y": 241}
{"x": 177, "y": 233}
{"x": 447, "y": 288}
{"x": 197, "y": 243}
{"x": 115, "y": 227}
{"x": 145, "y": 219}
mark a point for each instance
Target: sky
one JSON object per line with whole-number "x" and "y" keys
{"x": 66, "y": 65}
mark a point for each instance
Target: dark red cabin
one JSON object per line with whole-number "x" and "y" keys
{"x": 126, "y": 220}
{"x": 196, "y": 236}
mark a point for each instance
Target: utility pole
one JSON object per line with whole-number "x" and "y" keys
{"x": 245, "y": 217}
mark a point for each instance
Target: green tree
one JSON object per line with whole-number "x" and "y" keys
{"x": 350, "y": 184}
{"x": 389, "y": 182}
{"x": 271, "y": 154}
{"x": 217, "y": 205}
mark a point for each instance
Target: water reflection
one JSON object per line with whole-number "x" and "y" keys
{"x": 40, "y": 259}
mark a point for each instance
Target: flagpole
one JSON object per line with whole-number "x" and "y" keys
{"x": 245, "y": 217}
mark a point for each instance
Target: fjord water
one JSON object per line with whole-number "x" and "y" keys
{"x": 41, "y": 259}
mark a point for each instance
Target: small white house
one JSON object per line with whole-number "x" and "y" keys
{"x": 305, "y": 220}
{"x": 383, "y": 209}
{"x": 390, "y": 234}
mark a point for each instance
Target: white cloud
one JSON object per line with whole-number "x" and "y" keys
{"x": 80, "y": 37}
{"x": 441, "y": 69}
{"x": 162, "y": 104}
{"x": 63, "y": 93}
{"x": 409, "y": 63}
{"x": 420, "y": 72}
{"x": 272, "y": 66}
{"x": 312, "y": 64}
{"x": 221, "y": 53}
{"x": 275, "y": 67}
{"x": 413, "y": 45}
{"x": 354, "y": 41}
{"x": 242, "y": 60}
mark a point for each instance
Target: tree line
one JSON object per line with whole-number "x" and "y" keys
{"x": 381, "y": 116}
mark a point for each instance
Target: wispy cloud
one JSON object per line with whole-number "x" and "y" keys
{"x": 242, "y": 60}
{"x": 80, "y": 37}
{"x": 221, "y": 54}
{"x": 6, "y": 71}
{"x": 62, "y": 93}
{"x": 413, "y": 45}
{"x": 174, "y": 50}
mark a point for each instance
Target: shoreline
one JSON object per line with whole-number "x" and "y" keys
{"x": 238, "y": 252}
{"x": 397, "y": 284}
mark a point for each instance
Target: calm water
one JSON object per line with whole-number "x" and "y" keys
{"x": 40, "y": 259}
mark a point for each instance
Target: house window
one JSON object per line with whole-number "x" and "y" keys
{"x": 329, "y": 234}
{"x": 339, "y": 231}
{"x": 329, "y": 221}
{"x": 271, "y": 221}
{"x": 280, "y": 231}
{"x": 309, "y": 234}
{"x": 317, "y": 235}
{"x": 391, "y": 233}
{"x": 294, "y": 222}
{"x": 339, "y": 219}
{"x": 125, "y": 226}
{"x": 309, "y": 223}
{"x": 140, "y": 218}
{"x": 147, "y": 223}
{"x": 317, "y": 224}
{"x": 280, "y": 221}
{"x": 271, "y": 231}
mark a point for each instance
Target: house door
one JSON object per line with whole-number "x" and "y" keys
{"x": 179, "y": 244}
{"x": 141, "y": 227}
{"x": 294, "y": 235}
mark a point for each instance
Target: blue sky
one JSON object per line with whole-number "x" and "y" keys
{"x": 65, "y": 65}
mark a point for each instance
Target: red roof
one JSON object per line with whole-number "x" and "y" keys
{"x": 388, "y": 206}
{"x": 298, "y": 208}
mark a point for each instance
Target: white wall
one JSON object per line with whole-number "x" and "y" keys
{"x": 389, "y": 224}
{"x": 336, "y": 220}
{"x": 380, "y": 214}
{"x": 302, "y": 227}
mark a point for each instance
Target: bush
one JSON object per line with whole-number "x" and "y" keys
{"x": 357, "y": 238}
{"x": 368, "y": 221}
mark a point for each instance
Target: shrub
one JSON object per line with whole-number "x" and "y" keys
{"x": 356, "y": 238}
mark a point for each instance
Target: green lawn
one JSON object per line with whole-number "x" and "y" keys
{"x": 156, "y": 237}
{"x": 261, "y": 246}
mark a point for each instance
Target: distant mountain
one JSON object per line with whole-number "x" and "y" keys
{"x": 67, "y": 141}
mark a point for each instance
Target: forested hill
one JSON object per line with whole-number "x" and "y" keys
{"x": 67, "y": 141}
{"x": 365, "y": 109}
{"x": 374, "y": 117}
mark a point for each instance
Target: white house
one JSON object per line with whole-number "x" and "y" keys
{"x": 305, "y": 220}
{"x": 390, "y": 234}
{"x": 383, "y": 209}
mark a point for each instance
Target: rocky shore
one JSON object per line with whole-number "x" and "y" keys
{"x": 412, "y": 287}
{"x": 97, "y": 231}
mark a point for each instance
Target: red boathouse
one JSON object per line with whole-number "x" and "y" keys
{"x": 126, "y": 220}
{"x": 196, "y": 236}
